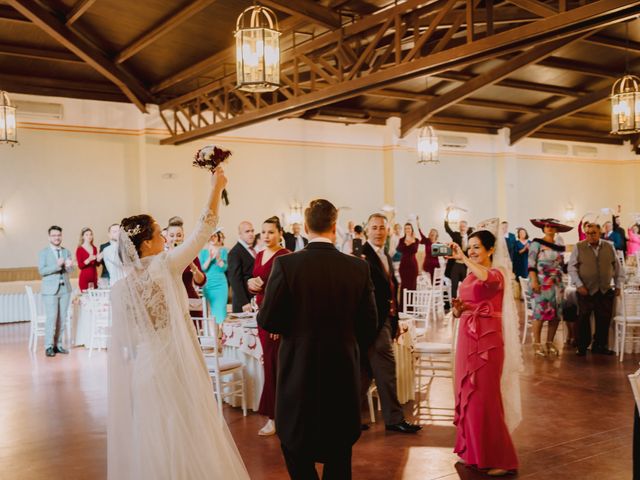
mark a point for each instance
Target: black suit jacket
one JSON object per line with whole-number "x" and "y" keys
{"x": 382, "y": 287}
{"x": 105, "y": 272}
{"x": 290, "y": 241}
{"x": 321, "y": 303}
{"x": 456, "y": 237}
{"x": 240, "y": 269}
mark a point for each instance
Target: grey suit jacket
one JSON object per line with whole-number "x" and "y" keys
{"x": 51, "y": 273}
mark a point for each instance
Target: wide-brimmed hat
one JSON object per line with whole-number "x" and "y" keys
{"x": 551, "y": 222}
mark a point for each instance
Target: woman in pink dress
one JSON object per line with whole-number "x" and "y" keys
{"x": 633, "y": 244}
{"x": 272, "y": 236}
{"x": 482, "y": 437}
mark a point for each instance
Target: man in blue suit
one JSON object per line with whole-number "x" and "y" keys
{"x": 510, "y": 238}
{"x": 54, "y": 264}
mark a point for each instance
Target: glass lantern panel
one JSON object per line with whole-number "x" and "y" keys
{"x": 11, "y": 124}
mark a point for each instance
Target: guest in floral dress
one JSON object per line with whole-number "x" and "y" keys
{"x": 546, "y": 264}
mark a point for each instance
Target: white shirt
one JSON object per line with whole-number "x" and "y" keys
{"x": 247, "y": 248}
{"x": 380, "y": 252}
{"x": 320, "y": 240}
{"x": 299, "y": 243}
{"x": 112, "y": 263}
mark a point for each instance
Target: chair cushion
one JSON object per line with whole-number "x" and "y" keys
{"x": 225, "y": 363}
{"x": 429, "y": 347}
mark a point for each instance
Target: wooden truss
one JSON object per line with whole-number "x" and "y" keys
{"x": 404, "y": 41}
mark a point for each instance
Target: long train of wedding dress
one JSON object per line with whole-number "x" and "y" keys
{"x": 162, "y": 421}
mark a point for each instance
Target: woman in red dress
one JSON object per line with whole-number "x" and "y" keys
{"x": 272, "y": 237}
{"x": 408, "y": 247}
{"x": 482, "y": 437}
{"x": 87, "y": 258}
{"x": 430, "y": 262}
{"x": 193, "y": 275}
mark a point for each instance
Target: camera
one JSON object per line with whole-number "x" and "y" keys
{"x": 441, "y": 250}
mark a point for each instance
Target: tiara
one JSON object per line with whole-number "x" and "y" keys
{"x": 132, "y": 232}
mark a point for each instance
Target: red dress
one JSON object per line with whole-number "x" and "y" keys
{"x": 482, "y": 437}
{"x": 270, "y": 347}
{"x": 88, "y": 272}
{"x": 408, "y": 266}
{"x": 430, "y": 262}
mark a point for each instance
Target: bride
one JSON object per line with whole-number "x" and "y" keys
{"x": 163, "y": 423}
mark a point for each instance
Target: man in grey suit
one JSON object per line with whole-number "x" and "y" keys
{"x": 54, "y": 264}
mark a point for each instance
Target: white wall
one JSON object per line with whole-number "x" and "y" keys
{"x": 103, "y": 161}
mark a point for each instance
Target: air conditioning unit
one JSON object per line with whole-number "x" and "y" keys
{"x": 585, "y": 151}
{"x": 451, "y": 141}
{"x": 339, "y": 115}
{"x": 555, "y": 148}
{"x": 39, "y": 110}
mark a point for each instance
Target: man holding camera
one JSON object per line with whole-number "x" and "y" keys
{"x": 380, "y": 362}
{"x": 455, "y": 270}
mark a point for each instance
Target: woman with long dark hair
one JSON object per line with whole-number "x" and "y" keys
{"x": 163, "y": 420}
{"x": 408, "y": 248}
{"x": 87, "y": 258}
{"x": 272, "y": 237}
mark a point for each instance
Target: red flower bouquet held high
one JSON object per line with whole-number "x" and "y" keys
{"x": 210, "y": 157}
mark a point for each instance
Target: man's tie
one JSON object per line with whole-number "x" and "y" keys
{"x": 253, "y": 252}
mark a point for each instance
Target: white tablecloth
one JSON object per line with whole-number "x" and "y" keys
{"x": 243, "y": 344}
{"x": 14, "y": 306}
{"x": 81, "y": 323}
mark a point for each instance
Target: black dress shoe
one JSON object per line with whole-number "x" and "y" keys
{"x": 581, "y": 353}
{"x": 364, "y": 427}
{"x": 403, "y": 427}
{"x": 602, "y": 351}
{"x": 62, "y": 350}
{"x": 50, "y": 352}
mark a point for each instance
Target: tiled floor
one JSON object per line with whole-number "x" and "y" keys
{"x": 577, "y": 423}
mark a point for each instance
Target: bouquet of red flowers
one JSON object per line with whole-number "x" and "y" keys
{"x": 210, "y": 157}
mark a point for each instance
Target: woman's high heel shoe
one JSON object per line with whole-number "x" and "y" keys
{"x": 551, "y": 348}
{"x": 498, "y": 472}
{"x": 539, "y": 350}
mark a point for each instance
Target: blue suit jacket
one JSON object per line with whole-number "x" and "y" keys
{"x": 50, "y": 271}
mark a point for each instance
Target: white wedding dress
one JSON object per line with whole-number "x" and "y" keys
{"x": 163, "y": 423}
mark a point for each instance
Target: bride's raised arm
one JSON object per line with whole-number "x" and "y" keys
{"x": 181, "y": 256}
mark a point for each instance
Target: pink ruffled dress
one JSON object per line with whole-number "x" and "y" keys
{"x": 482, "y": 437}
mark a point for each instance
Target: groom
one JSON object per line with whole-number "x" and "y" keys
{"x": 321, "y": 302}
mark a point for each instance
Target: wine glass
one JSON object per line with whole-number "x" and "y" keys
{"x": 254, "y": 305}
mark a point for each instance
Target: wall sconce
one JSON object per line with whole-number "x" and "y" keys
{"x": 569, "y": 214}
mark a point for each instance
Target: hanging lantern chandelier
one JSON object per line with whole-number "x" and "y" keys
{"x": 257, "y": 50}
{"x": 625, "y": 106}
{"x": 427, "y": 146}
{"x": 625, "y": 99}
{"x": 8, "y": 130}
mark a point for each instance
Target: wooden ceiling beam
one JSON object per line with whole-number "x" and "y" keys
{"x": 525, "y": 129}
{"x": 517, "y": 84}
{"x": 472, "y": 102}
{"x": 76, "y": 85}
{"x": 579, "y": 67}
{"x": 535, "y": 7}
{"x": 575, "y": 22}
{"x": 421, "y": 114}
{"x": 49, "y": 23}
{"x": 78, "y": 10}
{"x": 618, "y": 43}
{"x": 39, "y": 53}
{"x": 574, "y": 135}
{"x": 309, "y": 10}
{"x": 12, "y": 15}
{"x": 164, "y": 26}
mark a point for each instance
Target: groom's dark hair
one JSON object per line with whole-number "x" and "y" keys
{"x": 320, "y": 216}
